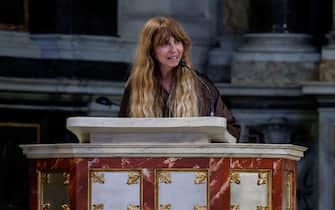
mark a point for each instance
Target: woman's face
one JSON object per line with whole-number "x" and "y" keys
{"x": 169, "y": 54}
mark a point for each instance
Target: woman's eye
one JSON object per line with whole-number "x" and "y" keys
{"x": 165, "y": 45}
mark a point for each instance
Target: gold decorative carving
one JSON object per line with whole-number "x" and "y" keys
{"x": 262, "y": 178}
{"x": 164, "y": 177}
{"x": 45, "y": 178}
{"x": 235, "y": 178}
{"x": 46, "y": 206}
{"x": 199, "y": 207}
{"x": 66, "y": 178}
{"x": 98, "y": 177}
{"x": 200, "y": 178}
{"x": 99, "y": 206}
{"x": 65, "y": 207}
{"x": 235, "y": 207}
{"x": 133, "y": 177}
{"x": 133, "y": 207}
{"x": 262, "y": 207}
{"x": 165, "y": 207}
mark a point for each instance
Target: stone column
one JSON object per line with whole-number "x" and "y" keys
{"x": 325, "y": 182}
{"x": 327, "y": 65}
{"x": 277, "y": 51}
{"x": 232, "y": 23}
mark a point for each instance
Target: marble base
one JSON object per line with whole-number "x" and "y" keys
{"x": 327, "y": 73}
{"x": 216, "y": 182}
{"x": 276, "y": 59}
{"x": 151, "y": 193}
{"x": 273, "y": 73}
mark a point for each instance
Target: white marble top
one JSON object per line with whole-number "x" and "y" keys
{"x": 285, "y": 151}
{"x": 149, "y": 130}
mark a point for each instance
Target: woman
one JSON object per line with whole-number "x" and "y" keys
{"x": 162, "y": 82}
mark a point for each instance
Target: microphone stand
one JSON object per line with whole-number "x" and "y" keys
{"x": 182, "y": 64}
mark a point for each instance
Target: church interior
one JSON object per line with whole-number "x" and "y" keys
{"x": 273, "y": 62}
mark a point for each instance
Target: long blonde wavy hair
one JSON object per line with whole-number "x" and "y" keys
{"x": 146, "y": 99}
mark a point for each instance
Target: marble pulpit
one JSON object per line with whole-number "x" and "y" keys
{"x": 194, "y": 164}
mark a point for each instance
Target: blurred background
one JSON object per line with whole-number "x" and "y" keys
{"x": 272, "y": 60}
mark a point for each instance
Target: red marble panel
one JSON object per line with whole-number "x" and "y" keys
{"x": 219, "y": 176}
{"x": 117, "y": 163}
{"x": 251, "y": 163}
{"x": 219, "y": 186}
{"x": 277, "y": 185}
{"x": 159, "y": 162}
{"x": 77, "y": 167}
{"x": 148, "y": 201}
{"x": 79, "y": 185}
{"x": 57, "y": 164}
{"x": 289, "y": 165}
{"x": 185, "y": 163}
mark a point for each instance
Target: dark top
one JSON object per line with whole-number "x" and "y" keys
{"x": 211, "y": 104}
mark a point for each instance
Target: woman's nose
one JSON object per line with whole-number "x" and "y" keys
{"x": 173, "y": 47}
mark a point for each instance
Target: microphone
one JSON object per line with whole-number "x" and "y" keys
{"x": 105, "y": 101}
{"x": 182, "y": 64}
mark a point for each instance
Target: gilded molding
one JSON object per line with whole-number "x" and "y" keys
{"x": 164, "y": 177}
{"x": 235, "y": 207}
{"x": 289, "y": 184}
{"x": 46, "y": 206}
{"x": 133, "y": 207}
{"x": 65, "y": 207}
{"x": 200, "y": 178}
{"x": 45, "y": 178}
{"x": 262, "y": 208}
{"x": 165, "y": 207}
{"x": 98, "y": 177}
{"x": 66, "y": 178}
{"x": 235, "y": 177}
{"x": 262, "y": 178}
{"x": 99, "y": 206}
{"x": 133, "y": 177}
{"x": 200, "y": 207}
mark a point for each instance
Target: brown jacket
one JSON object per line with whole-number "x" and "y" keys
{"x": 211, "y": 102}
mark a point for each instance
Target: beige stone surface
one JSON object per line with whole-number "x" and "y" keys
{"x": 235, "y": 16}
{"x": 285, "y": 151}
{"x": 327, "y": 71}
{"x": 273, "y": 73}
